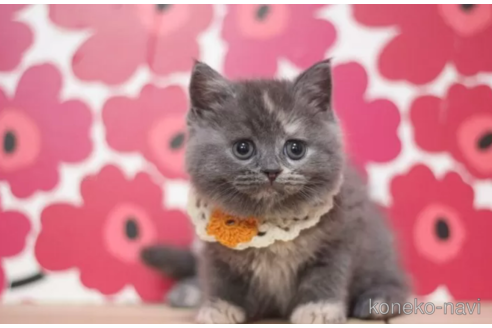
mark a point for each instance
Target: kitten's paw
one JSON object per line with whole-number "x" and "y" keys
{"x": 380, "y": 303}
{"x": 185, "y": 294}
{"x": 319, "y": 312}
{"x": 220, "y": 312}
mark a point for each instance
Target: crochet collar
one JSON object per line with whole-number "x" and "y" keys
{"x": 213, "y": 225}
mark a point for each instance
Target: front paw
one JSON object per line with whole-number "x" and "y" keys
{"x": 220, "y": 312}
{"x": 319, "y": 312}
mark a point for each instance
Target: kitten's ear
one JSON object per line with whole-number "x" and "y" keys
{"x": 315, "y": 84}
{"x": 207, "y": 87}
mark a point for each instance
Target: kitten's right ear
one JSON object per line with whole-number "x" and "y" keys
{"x": 315, "y": 85}
{"x": 208, "y": 88}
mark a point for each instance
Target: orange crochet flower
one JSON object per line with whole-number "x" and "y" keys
{"x": 230, "y": 230}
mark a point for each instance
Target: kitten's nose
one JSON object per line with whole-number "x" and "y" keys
{"x": 272, "y": 174}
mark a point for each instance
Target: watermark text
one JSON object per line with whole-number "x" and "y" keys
{"x": 429, "y": 308}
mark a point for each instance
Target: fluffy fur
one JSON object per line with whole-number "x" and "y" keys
{"x": 329, "y": 271}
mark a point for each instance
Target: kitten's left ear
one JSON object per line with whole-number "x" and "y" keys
{"x": 315, "y": 84}
{"x": 208, "y": 88}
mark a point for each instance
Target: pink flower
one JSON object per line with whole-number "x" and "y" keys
{"x": 126, "y": 36}
{"x": 15, "y": 37}
{"x": 443, "y": 238}
{"x": 14, "y": 228}
{"x": 104, "y": 236}
{"x": 258, "y": 35}
{"x": 38, "y": 132}
{"x": 460, "y": 123}
{"x": 369, "y": 127}
{"x": 430, "y": 36}
{"x": 153, "y": 124}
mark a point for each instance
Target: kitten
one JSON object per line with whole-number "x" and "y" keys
{"x": 268, "y": 148}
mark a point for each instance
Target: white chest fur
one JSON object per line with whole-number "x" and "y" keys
{"x": 274, "y": 272}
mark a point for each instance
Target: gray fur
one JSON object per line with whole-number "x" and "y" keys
{"x": 176, "y": 263}
{"x": 347, "y": 258}
{"x": 185, "y": 294}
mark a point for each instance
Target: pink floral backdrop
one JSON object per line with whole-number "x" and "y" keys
{"x": 92, "y": 106}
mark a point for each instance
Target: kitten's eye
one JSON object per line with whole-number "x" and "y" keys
{"x": 243, "y": 149}
{"x": 295, "y": 149}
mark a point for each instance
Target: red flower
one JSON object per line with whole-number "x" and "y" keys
{"x": 153, "y": 124}
{"x": 38, "y": 132}
{"x": 430, "y": 37}
{"x": 257, "y": 35}
{"x": 126, "y": 36}
{"x": 14, "y": 228}
{"x": 104, "y": 236}
{"x": 460, "y": 124}
{"x": 370, "y": 127}
{"x": 15, "y": 37}
{"x": 443, "y": 238}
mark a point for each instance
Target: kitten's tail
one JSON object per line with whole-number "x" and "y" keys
{"x": 177, "y": 263}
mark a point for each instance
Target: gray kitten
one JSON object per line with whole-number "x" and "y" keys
{"x": 268, "y": 147}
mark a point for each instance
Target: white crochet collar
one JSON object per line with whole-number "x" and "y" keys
{"x": 267, "y": 230}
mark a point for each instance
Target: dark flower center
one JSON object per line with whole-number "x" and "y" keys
{"x": 467, "y": 8}
{"x": 9, "y": 142}
{"x": 177, "y": 141}
{"x": 262, "y": 12}
{"x": 485, "y": 141}
{"x": 442, "y": 229}
{"x": 131, "y": 228}
{"x": 162, "y": 8}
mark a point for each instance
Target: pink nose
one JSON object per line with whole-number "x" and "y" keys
{"x": 272, "y": 174}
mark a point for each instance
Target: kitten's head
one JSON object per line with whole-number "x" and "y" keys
{"x": 264, "y": 146}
